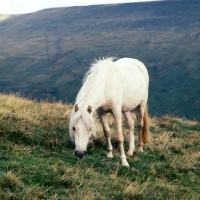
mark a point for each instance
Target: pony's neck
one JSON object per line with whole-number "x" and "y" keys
{"x": 92, "y": 91}
{"x": 89, "y": 99}
{"x": 90, "y": 95}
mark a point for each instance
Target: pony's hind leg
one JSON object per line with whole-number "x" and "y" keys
{"x": 104, "y": 121}
{"x": 130, "y": 123}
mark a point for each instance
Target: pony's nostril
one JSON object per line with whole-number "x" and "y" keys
{"x": 80, "y": 154}
{"x": 76, "y": 153}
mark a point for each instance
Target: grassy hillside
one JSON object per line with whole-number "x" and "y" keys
{"x": 37, "y": 158}
{"x": 44, "y": 55}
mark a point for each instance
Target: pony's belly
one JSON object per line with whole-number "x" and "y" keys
{"x": 132, "y": 99}
{"x": 130, "y": 106}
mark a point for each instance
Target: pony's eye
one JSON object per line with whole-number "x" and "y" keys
{"x": 74, "y": 128}
{"x": 90, "y": 129}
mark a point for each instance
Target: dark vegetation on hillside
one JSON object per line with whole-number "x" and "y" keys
{"x": 44, "y": 55}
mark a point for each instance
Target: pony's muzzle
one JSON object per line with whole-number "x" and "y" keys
{"x": 80, "y": 154}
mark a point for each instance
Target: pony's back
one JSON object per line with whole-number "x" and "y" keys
{"x": 136, "y": 63}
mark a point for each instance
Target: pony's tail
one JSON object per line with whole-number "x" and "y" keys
{"x": 145, "y": 130}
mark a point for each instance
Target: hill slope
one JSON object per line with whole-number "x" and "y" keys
{"x": 37, "y": 158}
{"x": 46, "y": 54}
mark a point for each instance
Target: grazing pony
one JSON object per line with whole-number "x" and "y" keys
{"x": 116, "y": 87}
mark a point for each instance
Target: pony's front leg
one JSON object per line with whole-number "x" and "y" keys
{"x": 130, "y": 123}
{"x": 118, "y": 124}
{"x": 103, "y": 118}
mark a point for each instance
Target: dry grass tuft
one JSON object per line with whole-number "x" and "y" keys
{"x": 136, "y": 188}
{"x": 34, "y": 192}
{"x": 10, "y": 180}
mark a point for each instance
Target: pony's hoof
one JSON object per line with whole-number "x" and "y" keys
{"x": 140, "y": 149}
{"x": 130, "y": 152}
{"x": 125, "y": 163}
{"x": 109, "y": 155}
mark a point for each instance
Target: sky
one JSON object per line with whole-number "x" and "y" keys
{"x": 28, "y": 6}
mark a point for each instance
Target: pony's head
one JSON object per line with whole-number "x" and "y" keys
{"x": 81, "y": 128}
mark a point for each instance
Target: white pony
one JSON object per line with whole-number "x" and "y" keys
{"x": 116, "y": 87}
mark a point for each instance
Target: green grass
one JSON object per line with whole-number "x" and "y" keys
{"x": 38, "y": 162}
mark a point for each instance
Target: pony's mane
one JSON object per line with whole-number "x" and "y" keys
{"x": 91, "y": 75}
{"x": 95, "y": 65}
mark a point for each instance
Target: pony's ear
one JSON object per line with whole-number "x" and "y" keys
{"x": 76, "y": 107}
{"x": 89, "y": 109}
